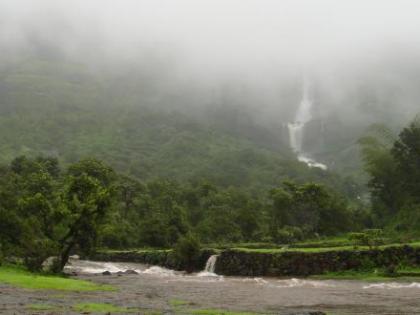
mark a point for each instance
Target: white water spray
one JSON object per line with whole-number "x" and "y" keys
{"x": 296, "y": 129}
{"x": 210, "y": 267}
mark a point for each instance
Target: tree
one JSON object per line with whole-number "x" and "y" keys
{"x": 406, "y": 152}
{"x": 384, "y": 182}
{"x": 279, "y": 211}
{"x": 87, "y": 198}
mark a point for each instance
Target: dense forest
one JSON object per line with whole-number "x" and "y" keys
{"x": 120, "y": 157}
{"x": 47, "y": 210}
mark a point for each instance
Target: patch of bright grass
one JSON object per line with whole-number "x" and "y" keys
{"x": 219, "y": 312}
{"x": 177, "y": 303}
{"x": 24, "y": 279}
{"x": 41, "y": 307}
{"x": 103, "y": 308}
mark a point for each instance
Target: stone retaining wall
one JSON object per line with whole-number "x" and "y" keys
{"x": 289, "y": 263}
{"x": 241, "y": 263}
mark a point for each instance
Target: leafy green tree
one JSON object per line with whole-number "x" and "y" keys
{"x": 406, "y": 152}
{"x": 87, "y": 198}
{"x": 384, "y": 183}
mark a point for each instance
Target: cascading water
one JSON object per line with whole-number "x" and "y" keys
{"x": 211, "y": 264}
{"x": 296, "y": 129}
{"x": 210, "y": 267}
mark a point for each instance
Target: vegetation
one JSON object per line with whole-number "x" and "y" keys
{"x": 187, "y": 251}
{"x": 393, "y": 165}
{"x": 21, "y": 278}
{"x": 168, "y": 179}
{"x": 41, "y": 307}
{"x": 49, "y": 211}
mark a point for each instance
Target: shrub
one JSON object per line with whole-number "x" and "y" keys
{"x": 289, "y": 234}
{"x": 370, "y": 237}
{"x": 186, "y": 251}
{"x": 36, "y": 252}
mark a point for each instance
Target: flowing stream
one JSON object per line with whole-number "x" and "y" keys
{"x": 154, "y": 286}
{"x": 297, "y": 129}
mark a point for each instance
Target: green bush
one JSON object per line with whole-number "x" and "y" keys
{"x": 369, "y": 237}
{"x": 289, "y": 234}
{"x": 36, "y": 252}
{"x": 186, "y": 251}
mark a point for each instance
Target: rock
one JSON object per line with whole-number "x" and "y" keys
{"x": 106, "y": 273}
{"x": 48, "y": 264}
{"x": 131, "y": 272}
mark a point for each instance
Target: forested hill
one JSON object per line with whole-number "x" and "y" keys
{"x": 54, "y": 108}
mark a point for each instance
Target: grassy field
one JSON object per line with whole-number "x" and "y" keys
{"x": 19, "y": 277}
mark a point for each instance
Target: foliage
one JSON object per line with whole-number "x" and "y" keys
{"x": 299, "y": 211}
{"x": 369, "y": 237}
{"x": 393, "y": 167}
{"x": 48, "y": 212}
{"x": 53, "y": 212}
{"x": 21, "y": 278}
{"x": 187, "y": 251}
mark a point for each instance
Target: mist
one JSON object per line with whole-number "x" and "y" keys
{"x": 360, "y": 55}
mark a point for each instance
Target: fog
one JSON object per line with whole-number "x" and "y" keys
{"x": 256, "y": 52}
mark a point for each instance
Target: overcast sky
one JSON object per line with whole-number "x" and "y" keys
{"x": 222, "y": 31}
{"x": 267, "y": 42}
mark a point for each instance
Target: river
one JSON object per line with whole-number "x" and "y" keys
{"x": 154, "y": 286}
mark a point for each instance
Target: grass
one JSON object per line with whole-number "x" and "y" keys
{"x": 19, "y": 277}
{"x": 318, "y": 249}
{"x": 103, "y": 308}
{"x": 178, "y": 303}
{"x": 41, "y": 307}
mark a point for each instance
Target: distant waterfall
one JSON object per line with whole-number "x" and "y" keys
{"x": 297, "y": 128}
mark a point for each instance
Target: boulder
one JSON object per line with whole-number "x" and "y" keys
{"x": 48, "y": 264}
{"x": 131, "y": 272}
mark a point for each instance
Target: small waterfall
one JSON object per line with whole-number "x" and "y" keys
{"x": 211, "y": 264}
{"x": 296, "y": 129}
{"x": 209, "y": 268}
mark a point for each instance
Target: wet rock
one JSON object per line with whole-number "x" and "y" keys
{"x": 106, "y": 273}
{"x": 131, "y": 272}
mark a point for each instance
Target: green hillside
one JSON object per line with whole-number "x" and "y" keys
{"x": 62, "y": 109}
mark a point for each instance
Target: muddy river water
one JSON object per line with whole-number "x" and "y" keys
{"x": 153, "y": 287}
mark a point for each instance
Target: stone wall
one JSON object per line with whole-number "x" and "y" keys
{"x": 241, "y": 263}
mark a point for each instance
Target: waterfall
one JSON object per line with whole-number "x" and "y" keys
{"x": 211, "y": 264}
{"x": 297, "y": 128}
{"x": 209, "y": 268}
